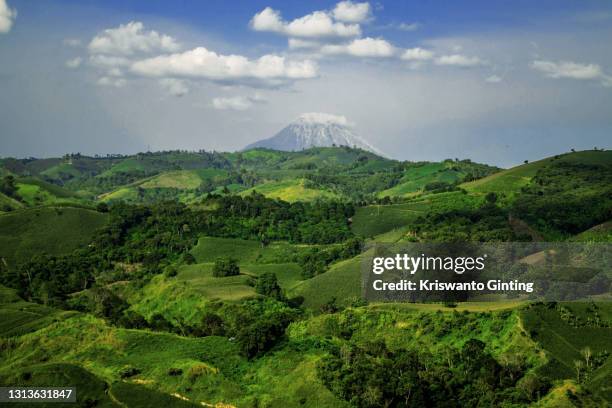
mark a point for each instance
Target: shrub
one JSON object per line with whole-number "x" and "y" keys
{"x": 225, "y": 267}
{"x": 267, "y": 285}
{"x": 128, "y": 372}
{"x": 188, "y": 259}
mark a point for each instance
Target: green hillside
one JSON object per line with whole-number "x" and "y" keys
{"x": 290, "y": 190}
{"x": 50, "y": 230}
{"x": 150, "y": 309}
{"x": 510, "y": 181}
{"x": 426, "y": 176}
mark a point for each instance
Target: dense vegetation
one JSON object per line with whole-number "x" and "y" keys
{"x": 234, "y": 278}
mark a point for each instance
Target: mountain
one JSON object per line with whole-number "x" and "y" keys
{"x": 315, "y": 130}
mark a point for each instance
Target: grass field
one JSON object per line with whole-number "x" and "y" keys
{"x": 208, "y": 249}
{"x": 181, "y": 179}
{"x": 188, "y": 295}
{"x": 20, "y": 317}
{"x": 51, "y": 230}
{"x": 510, "y": 181}
{"x": 290, "y": 190}
{"x": 8, "y": 203}
{"x": 564, "y": 342}
{"x": 377, "y": 219}
{"x": 90, "y": 389}
{"x": 342, "y": 281}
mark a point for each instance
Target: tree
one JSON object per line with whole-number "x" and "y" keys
{"x": 188, "y": 258}
{"x": 578, "y": 366}
{"x": 225, "y": 267}
{"x": 491, "y": 197}
{"x": 267, "y": 285}
{"x": 102, "y": 207}
{"x": 212, "y": 325}
{"x": 587, "y": 354}
{"x": 8, "y": 186}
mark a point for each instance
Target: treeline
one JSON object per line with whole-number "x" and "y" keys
{"x": 157, "y": 235}
{"x": 566, "y": 198}
{"x": 485, "y": 223}
{"x": 260, "y": 218}
{"x": 256, "y": 325}
{"x": 372, "y": 375}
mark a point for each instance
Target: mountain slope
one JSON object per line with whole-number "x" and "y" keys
{"x": 315, "y": 130}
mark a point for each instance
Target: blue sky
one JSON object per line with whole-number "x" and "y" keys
{"x": 494, "y": 81}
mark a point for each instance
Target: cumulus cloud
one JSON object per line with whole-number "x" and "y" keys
{"x": 174, "y": 87}
{"x": 567, "y": 69}
{"x": 131, "y": 38}
{"x": 7, "y": 17}
{"x": 108, "y": 61}
{"x": 493, "y": 79}
{"x": 459, "y": 60}
{"x": 417, "y": 54}
{"x": 572, "y": 70}
{"x": 362, "y": 47}
{"x": 74, "y": 63}
{"x": 349, "y": 12}
{"x": 202, "y": 63}
{"x": 317, "y": 24}
{"x": 324, "y": 119}
{"x": 297, "y": 43}
{"x": 238, "y": 103}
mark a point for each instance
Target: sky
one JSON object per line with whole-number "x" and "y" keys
{"x": 497, "y": 82}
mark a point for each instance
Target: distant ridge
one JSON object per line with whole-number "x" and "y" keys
{"x": 315, "y": 130}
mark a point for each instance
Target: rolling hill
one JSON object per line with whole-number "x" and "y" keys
{"x": 152, "y": 323}
{"x": 49, "y": 230}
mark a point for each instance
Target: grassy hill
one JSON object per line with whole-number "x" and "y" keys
{"x": 564, "y": 331}
{"x": 291, "y": 191}
{"x": 8, "y": 203}
{"x": 373, "y": 220}
{"x": 51, "y": 230}
{"x": 208, "y": 249}
{"x": 422, "y": 175}
{"x": 510, "y": 181}
{"x": 144, "y": 335}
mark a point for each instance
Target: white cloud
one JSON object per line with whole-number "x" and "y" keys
{"x": 349, "y": 12}
{"x": 174, "y": 87}
{"x": 317, "y": 24}
{"x": 493, "y": 79}
{"x": 324, "y": 119}
{"x": 459, "y": 60}
{"x": 74, "y": 63}
{"x": 572, "y": 70}
{"x": 362, "y": 47}
{"x": 202, "y": 63}
{"x": 417, "y": 54}
{"x": 108, "y": 61}
{"x": 7, "y": 17}
{"x": 408, "y": 26}
{"x": 567, "y": 69}
{"x": 238, "y": 103}
{"x": 297, "y": 43}
{"x": 131, "y": 38}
